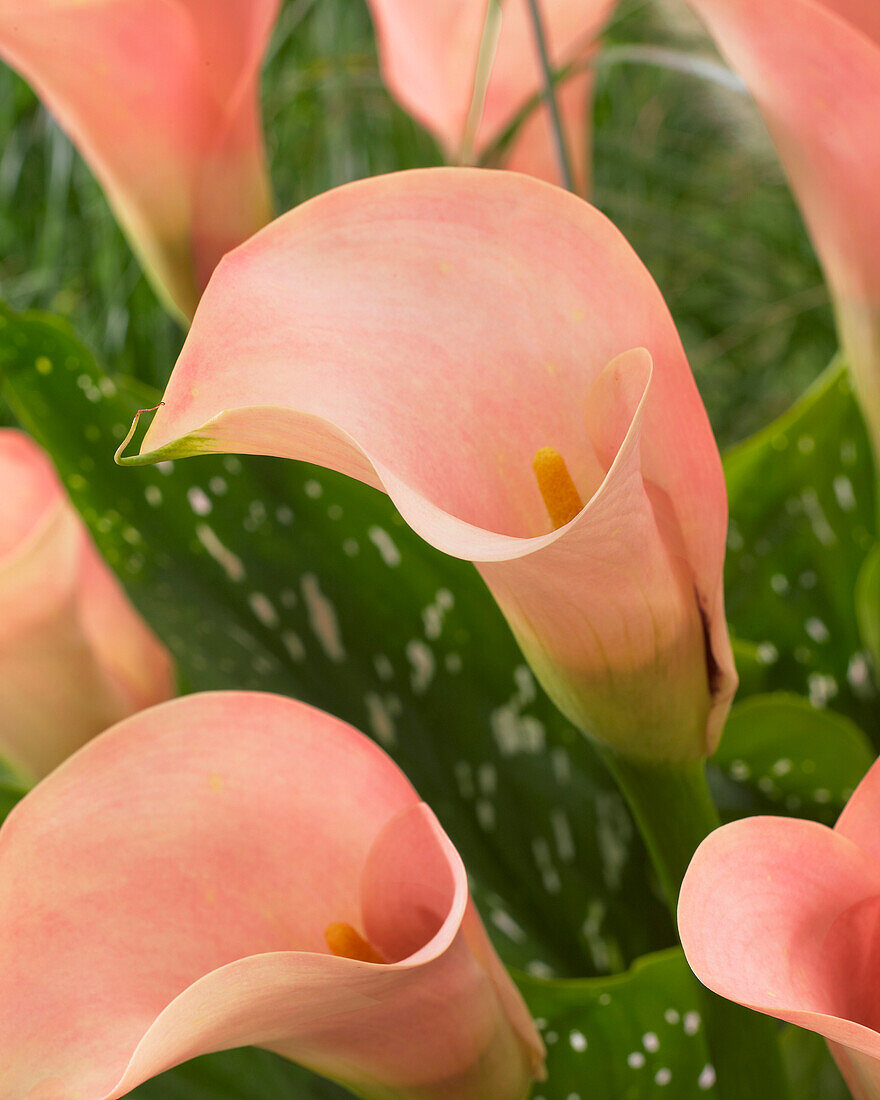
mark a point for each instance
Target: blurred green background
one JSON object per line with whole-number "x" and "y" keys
{"x": 682, "y": 164}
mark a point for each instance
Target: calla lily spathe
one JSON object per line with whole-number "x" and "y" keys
{"x": 240, "y": 869}
{"x": 430, "y": 55}
{"x": 781, "y": 915}
{"x": 161, "y": 98}
{"x": 429, "y": 333}
{"x": 814, "y": 68}
{"x": 75, "y": 656}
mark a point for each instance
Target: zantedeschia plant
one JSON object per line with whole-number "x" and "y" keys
{"x": 236, "y": 868}
{"x": 814, "y": 69}
{"x": 466, "y": 69}
{"x": 782, "y": 915}
{"x": 161, "y": 98}
{"x": 75, "y": 656}
{"x": 187, "y": 877}
{"x": 490, "y": 351}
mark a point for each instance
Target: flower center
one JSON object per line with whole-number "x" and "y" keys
{"x": 560, "y": 494}
{"x": 348, "y": 943}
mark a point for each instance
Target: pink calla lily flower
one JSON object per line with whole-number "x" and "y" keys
{"x": 430, "y": 55}
{"x": 161, "y": 98}
{"x": 781, "y": 915}
{"x": 814, "y": 68}
{"x": 433, "y": 333}
{"x": 75, "y": 656}
{"x": 236, "y": 869}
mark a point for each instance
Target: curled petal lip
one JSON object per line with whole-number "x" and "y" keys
{"x": 337, "y": 968}
{"x": 447, "y": 532}
{"x": 467, "y": 193}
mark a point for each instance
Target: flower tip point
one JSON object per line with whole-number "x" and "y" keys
{"x": 132, "y": 460}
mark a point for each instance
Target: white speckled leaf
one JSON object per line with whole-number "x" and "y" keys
{"x": 634, "y": 1036}
{"x": 785, "y": 756}
{"x": 266, "y": 574}
{"x": 802, "y": 521}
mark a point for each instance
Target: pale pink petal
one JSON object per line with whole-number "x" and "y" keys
{"x": 74, "y": 654}
{"x": 606, "y": 606}
{"x": 860, "y": 820}
{"x": 161, "y": 98}
{"x": 168, "y": 892}
{"x": 29, "y": 487}
{"x": 570, "y": 27}
{"x": 127, "y": 651}
{"x": 533, "y": 149}
{"x": 429, "y": 55}
{"x": 861, "y": 1072}
{"x": 428, "y": 333}
{"x": 769, "y": 916}
{"x": 814, "y": 69}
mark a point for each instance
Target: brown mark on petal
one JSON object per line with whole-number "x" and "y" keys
{"x": 713, "y": 669}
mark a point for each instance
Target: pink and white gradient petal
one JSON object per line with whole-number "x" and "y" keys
{"x": 429, "y": 332}
{"x": 783, "y": 915}
{"x": 167, "y": 893}
{"x": 75, "y": 656}
{"x": 161, "y": 99}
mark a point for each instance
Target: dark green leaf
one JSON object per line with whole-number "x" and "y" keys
{"x": 868, "y": 605}
{"x": 791, "y": 757}
{"x": 810, "y": 1067}
{"x": 12, "y": 788}
{"x": 630, "y": 1037}
{"x": 802, "y": 520}
{"x": 246, "y": 1074}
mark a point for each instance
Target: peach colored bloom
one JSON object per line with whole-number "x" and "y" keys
{"x": 781, "y": 915}
{"x": 814, "y": 69}
{"x": 74, "y": 654}
{"x": 238, "y": 869}
{"x": 161, "y": 98}
{"x": 429, "y": 55}
{"x": 429, "y": 333}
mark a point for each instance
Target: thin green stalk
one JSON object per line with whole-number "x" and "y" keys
{"x": 485, "y": 61}
{"x": 674, "y": 812}
{"x": 549, "y": 95}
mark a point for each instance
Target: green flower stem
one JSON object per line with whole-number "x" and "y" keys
{"x": 674, "y": 812}
{"x": 485, "y": 61}
{"x": 549, "y": 95}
